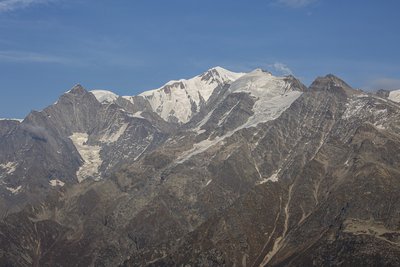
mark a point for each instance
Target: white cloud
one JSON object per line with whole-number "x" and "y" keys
{"x": 281, "y": 68}
{"x": 11, "y": 5}
{"x": 296, "y": 3}
{"x": 20, "y": 56}
{"x": 384, "y": 83}
{"x": 91, "y": 58}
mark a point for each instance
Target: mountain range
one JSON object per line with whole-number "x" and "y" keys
{"x": 223, "y": 169}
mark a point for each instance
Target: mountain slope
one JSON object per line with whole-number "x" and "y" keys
{"x": 74, "y": 139}
{"x": 325, "y": 194}
{"x": 265, "y": 172}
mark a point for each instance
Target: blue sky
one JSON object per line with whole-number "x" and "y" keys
{"x": 128, "y": 46}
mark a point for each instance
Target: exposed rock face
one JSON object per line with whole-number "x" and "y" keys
{"x": 264, "y": 172}
{"x": 74, "y": 139}
{"x": 383, "y": 93}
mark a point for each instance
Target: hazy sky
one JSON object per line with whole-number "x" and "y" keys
{"x": 128, "y": 46}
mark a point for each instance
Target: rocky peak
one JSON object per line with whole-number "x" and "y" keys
{"x": 383, "y": 93}
{"x": 295, "y": 83}
{"x": 220, "y": 75}
{"x": 77, "y": 90}
{"x": 78, "y": 94}
{"x": 210, "y": 74}
{"x": 333, "y": 84}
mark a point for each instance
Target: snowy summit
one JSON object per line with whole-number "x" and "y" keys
{"x": 104, "y": 96}
{"x": 181, "y": 98}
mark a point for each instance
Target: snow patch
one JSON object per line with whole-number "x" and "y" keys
{"x": 14, "y": 190}
{"x": 222, "y": 120}
{"x": 56, "y": 182}
{"x": 9, "y": 167}
{"x": 380, "y": 126}
{"x": 90, "y": 156}
{"x": 129, "y": 98}
{"x": 11, "y": 119}
{"x": 136, "y": 115}
{"x": 111, "y": 137}
{"x": 273, "y": 178}
{"x": 381, "y": 111}
{"x": 273, "y": 95}
{"x": 104, "y": 96}
{"x": 353, "y": 107}
{"x": 209, "y": 181}
{"x": 144, "y": 150}
{"x": 202, "y": 122}
{"x": 362, "y": 96}
{"x": 201, "y": 147}
{"x": 395, "y": 96}
{"x": 201, "y": 131}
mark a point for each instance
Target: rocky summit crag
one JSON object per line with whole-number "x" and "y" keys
{"x": 224, "y": 169}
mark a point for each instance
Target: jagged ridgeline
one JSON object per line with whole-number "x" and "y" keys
{"x": 223, "y": 169}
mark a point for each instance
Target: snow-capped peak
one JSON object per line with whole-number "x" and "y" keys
{"x": 76, "y": 89}
{"x": 104, "y": 96}
{"x": 273, "y": 95}
{"x": 395, "y": 96}
{"x": 221, "y": 74}
{"x": 259, "y": 70}
{"x": 260, "y": 83}
{"x": 179, "y": 100}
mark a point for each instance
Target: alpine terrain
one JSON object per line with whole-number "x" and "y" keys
{"x": 223, "y": 169}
